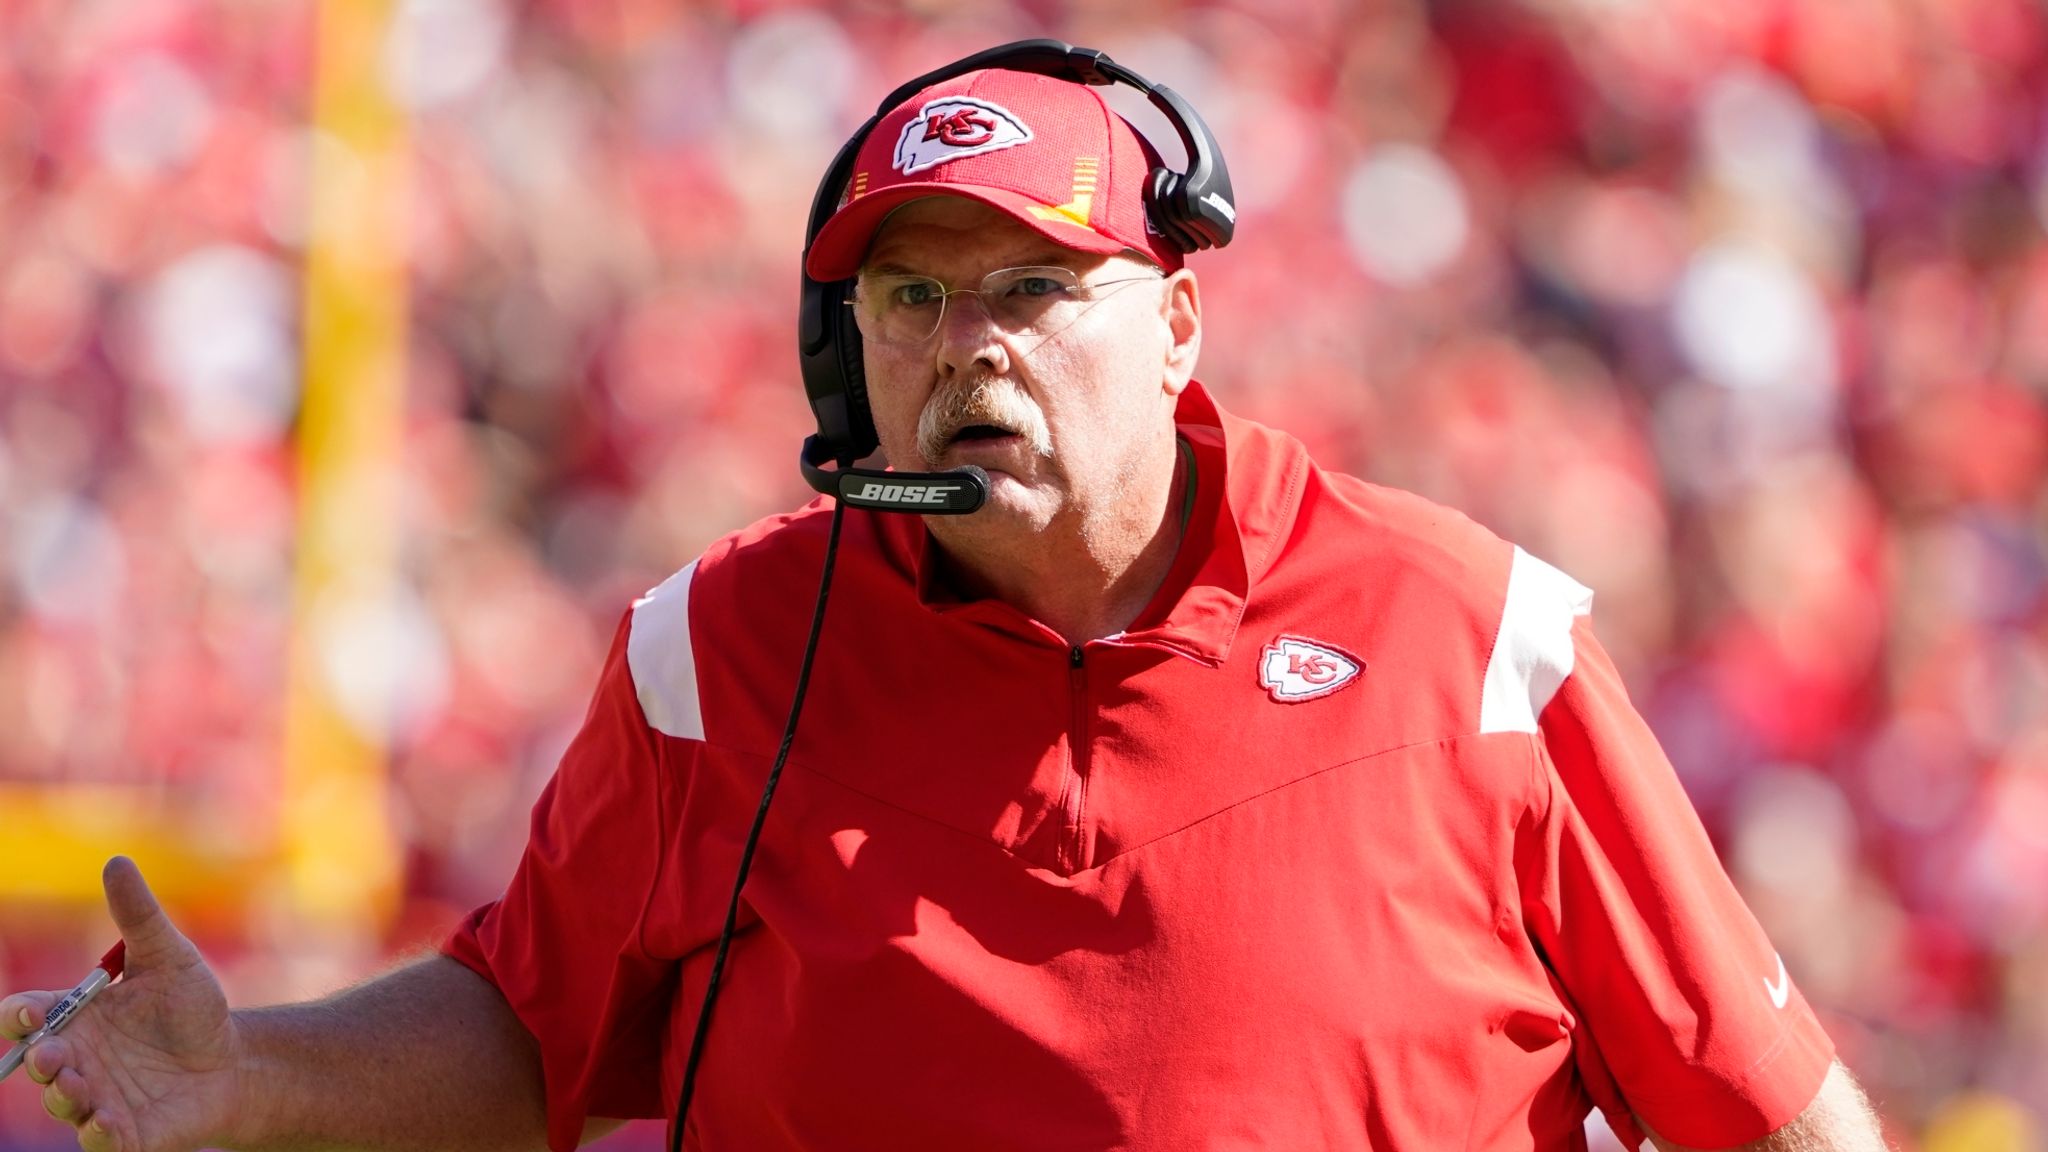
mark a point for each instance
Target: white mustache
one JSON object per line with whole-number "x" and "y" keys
{"x": 984, "y": 401}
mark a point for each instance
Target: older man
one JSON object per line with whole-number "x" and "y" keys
{"x": 1184, "y": 796}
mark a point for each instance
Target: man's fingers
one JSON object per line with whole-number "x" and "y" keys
{"x": 46, "y": 1059}
{"x": 67, "y": 1097}
{"x": 13, "y": 1023}
{"x": 134, "y": 908}
{"x": 99, "y": 1134}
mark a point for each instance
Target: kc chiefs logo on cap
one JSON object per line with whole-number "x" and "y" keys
{"x": 1293, "y": 669}
{"x": 953, "y": 127}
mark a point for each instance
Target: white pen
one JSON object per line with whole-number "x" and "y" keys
{"x": 101, "y": 976}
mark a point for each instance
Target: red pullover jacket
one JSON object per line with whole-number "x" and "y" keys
{"x": 1352, "y": 841}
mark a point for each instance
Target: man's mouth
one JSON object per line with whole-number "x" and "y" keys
{"x": 981, "y": 432}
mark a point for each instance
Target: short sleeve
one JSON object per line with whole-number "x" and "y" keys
{"x": 1686, "y": 1015}
{"x": 564, "y": 943}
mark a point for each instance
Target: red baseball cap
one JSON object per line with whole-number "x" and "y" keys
{"x": 1049, "y": 152}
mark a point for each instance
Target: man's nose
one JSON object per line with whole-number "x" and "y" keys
{"x": 969, "y": 337}
{"x": 966, "y": 303}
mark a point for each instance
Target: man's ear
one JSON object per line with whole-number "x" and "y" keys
{"x": 1181, "y": 309}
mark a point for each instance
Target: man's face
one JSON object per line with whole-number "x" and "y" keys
{"x": 1059, "y": 420}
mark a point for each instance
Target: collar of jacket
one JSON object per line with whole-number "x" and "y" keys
{"x": 1248, "y": 491}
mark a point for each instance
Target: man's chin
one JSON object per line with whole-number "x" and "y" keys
{"x": 1010, "y": 501}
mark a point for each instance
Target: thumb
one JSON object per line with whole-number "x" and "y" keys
{"x": 136, "y": 913}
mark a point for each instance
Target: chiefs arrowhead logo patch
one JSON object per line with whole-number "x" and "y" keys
{"x": 1293, "y": 669}
{"x": 956, "y": 127}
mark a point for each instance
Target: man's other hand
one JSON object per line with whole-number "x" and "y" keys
{"x": 149, "y": 1065}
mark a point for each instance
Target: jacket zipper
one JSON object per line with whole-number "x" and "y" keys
{"x": 1072, "y": 845}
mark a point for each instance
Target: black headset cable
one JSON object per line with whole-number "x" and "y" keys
{"x": 732, "y": 910}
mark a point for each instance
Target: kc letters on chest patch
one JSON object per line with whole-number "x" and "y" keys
{"x": 1294, "y": 669}
{"x": 956, "y": 127}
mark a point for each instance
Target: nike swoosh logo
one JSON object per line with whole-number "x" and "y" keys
{"x": 1782, "y": 988}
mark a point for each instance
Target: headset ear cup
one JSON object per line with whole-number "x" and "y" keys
{"x": 1163, "y": 201}
{"x": 860, "y": 419}
{"x": 828, "y": 347}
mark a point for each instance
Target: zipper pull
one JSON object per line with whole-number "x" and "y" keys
{"x": 1074, "y": 656}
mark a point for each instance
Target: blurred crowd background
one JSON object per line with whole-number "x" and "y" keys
{"x": 1735, "y": 309}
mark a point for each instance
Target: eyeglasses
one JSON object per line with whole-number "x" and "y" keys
{"x": 903, "y": 309}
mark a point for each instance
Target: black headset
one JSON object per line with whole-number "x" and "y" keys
{"x": 1192, "y": 210}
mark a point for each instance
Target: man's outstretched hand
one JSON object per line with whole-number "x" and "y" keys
{"x": 150, "y": 1064}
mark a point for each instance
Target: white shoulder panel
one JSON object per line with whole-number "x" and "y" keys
{"x": 1532, "y": 653}
{"x": 663, "y": 664}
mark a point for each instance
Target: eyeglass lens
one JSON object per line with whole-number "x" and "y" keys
{"x": 907, "y": 309}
